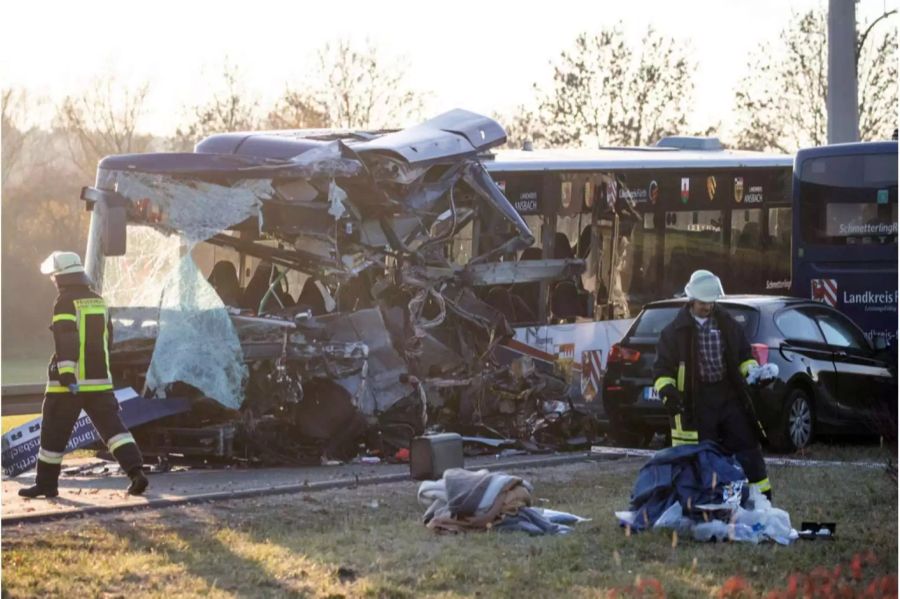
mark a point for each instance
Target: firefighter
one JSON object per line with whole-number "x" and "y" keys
{"x": 79, "y": 379}
{"x": 703, "y": 359}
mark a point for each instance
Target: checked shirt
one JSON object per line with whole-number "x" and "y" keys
{"x": 712, "y": 351}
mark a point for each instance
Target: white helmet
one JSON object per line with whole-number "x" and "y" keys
{"x": 704, "y": 286}
{"x": 61, "y": 263}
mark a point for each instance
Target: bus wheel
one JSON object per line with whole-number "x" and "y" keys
{"x": 795, "y": 426}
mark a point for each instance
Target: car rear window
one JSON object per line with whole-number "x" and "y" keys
{"x": 795, "y": 324}
{"x": 653, "y": 320}
{"x": 746, "y": 317}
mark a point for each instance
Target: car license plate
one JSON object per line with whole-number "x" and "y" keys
{"x": 650, "y": 394}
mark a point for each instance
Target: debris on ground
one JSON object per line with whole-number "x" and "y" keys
{"x": 463, "y": 501}
{"x": 701, "y": 491}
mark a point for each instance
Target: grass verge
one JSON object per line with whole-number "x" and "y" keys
{"x": 369, "y": 542}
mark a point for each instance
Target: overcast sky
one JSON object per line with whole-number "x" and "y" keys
{"x": 483, "y": 56}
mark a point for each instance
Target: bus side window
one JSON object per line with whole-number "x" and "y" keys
{"x": 777, "y": 250}
{"x": 746, "y": 269}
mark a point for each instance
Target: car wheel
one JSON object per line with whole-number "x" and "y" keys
{"x": 795, "y": 430}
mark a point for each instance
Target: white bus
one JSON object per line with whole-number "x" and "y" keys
{"x": 642, "y": 219}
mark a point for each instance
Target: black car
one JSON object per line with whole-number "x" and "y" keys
{"x": 831, "y": 379}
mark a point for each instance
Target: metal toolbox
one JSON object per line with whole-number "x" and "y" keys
{"x": 431, "y": 455}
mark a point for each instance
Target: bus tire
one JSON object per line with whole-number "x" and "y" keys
{"x": 796, "y": 424}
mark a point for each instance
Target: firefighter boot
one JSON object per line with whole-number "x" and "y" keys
{"x": 45, "y": 483}
{"x": 139, "y": 482}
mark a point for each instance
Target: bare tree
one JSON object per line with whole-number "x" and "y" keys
{"x": 296, "y": 110}
{"x": 232, "y": 109}
{"x": 523, "y": 126}
{"x": 14, "y": 132}
{"x": 102, "y": 121}
{"x": 876, "y": 67}
{"x": 605, "y": 92}
{"x": 359, "y": 88}
{"x": 657, "y": 95}
{"x": 780, "y": 104}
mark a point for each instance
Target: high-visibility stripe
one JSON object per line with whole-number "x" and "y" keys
{"x": 662, "y": 382}
{"x": 681, "y": 436}
{"x": 677, "y": 442}
{"x": 57, "y": 388}
{"x": 106, "y": 340}
{"x": 681, "y": 376}
{"x": 61, "y": 316}
{"x": 50, "y": 457}
{"x": 89, "y": 388}
{"x": 85, "y": 308}
{"x": 119, "y": 440}
{"x": 65, "y": 366}
{"x": 83, "y": 383}
{"x": 746, "y": 365}
{"x": 763, "y": 485}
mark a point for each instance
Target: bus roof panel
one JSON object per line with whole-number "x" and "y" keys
{"x": 617, "y": 159}
{"x": 848, "y": 149}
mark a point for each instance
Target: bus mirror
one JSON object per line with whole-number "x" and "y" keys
{"x": 114, "y": 233}
{"x": 116, "y": 217}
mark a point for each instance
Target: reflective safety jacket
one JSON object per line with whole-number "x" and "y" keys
{"x": 677, "y": 363}
{"x": 82, "y": 334}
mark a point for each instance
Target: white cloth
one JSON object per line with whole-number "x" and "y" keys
{"x": 762, "y": 373}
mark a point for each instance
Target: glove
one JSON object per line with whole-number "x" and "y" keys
{"x": 672, "y": 400}
{"x": 762, "y": 376}
{"x": 73, "y": 388}
{"x": 67, "y": 379}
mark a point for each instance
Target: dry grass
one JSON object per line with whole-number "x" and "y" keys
{"x": 343, "y": 544}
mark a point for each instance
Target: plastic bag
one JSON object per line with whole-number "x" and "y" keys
{"x": 714, "y": 530}
{"x": 671, "y": 517}
{"x": 674, "y": 518}
{"x": 746, "y": 534}
{"x": 769, "y": 522}
{"x": 626, "y": 518}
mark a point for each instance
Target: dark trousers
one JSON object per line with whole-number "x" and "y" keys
{"x": 59, "y": 414}
{"x": 720, "y": 417}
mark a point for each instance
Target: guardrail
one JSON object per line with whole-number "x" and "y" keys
{"x": 16, "y": 400}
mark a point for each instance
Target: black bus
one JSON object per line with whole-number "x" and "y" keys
{"x": 845, "y": 254}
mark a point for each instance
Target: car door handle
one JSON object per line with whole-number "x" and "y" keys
{"x": 841, "y": 354}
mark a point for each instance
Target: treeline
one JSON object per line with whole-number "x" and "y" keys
{"x": 604, "y": 91}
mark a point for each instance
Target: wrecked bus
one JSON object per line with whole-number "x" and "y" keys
{"x": 301, "y": 288}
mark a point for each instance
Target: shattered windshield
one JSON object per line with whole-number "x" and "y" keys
{"x": 159, "y": 292}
